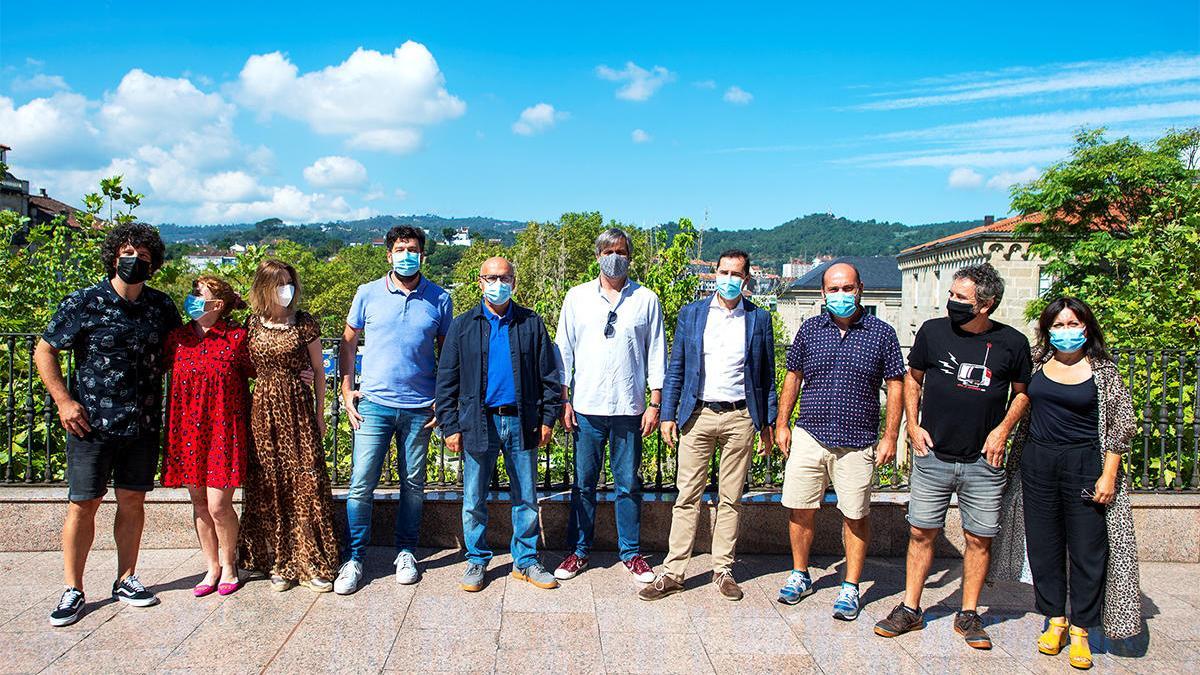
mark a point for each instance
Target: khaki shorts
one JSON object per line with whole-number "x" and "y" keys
{"x": 811, "y": 466}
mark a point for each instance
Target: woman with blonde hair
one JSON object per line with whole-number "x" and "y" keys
{"x": 287, "y": 524}
{"x": 207, "y": 436}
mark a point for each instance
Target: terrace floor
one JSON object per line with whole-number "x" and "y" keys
{"x": 591, "y": 624}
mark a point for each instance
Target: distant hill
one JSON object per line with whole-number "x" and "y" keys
{"x": 823, "y": 233}
{"x": 345, "y": 232}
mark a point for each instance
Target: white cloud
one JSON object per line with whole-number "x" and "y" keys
{"x": 537, "y": 118}
{"x": 641, "y": 84}
{"x": 39, "y": 82}
{"x": 1054, "y": 79}
{"x": 336, "y": 172}
{"x": 1007, "y": 179}
{"x": 231, "y": 186}
{"x": 146, "y": 109}
{"x": 738, "y": 96}
{"x": 54, "y": 131}
{"x": 977, "y": 159}
{"x": 964, "y": 178}
{"x": 640, "y": 136}
{"x": 287, "y": 203}
{"x": 705, "y": 84}
{"x": 401, "y": 193}
{"x": 379, "y": 100}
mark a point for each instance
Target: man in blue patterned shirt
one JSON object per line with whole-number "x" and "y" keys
{"x": 842, "y": 357}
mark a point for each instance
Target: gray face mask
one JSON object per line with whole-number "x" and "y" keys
{"x": 614, "y": 266}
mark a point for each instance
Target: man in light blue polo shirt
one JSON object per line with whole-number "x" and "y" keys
{"x": 405, "y": 317}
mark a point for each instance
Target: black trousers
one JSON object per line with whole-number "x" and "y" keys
{"x": 1061, "y": 523}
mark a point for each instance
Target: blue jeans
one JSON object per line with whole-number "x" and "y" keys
{"x": 623, "y": 435}
{"x": 504, "y": 435}
{"x": 371, "y": 441}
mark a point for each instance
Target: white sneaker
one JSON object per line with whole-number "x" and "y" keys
{"x": 348, "y": 577}
{"x": 406, "y": 568}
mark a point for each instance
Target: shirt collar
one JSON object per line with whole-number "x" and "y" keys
{"x": 857, "y": 323}
{"x": 629, "y": 286}
{"x": 394, "y": 288}
{"x": 107, "y": 287}
{"x": 738, "y": 310}
{"x": 487, "y": 313}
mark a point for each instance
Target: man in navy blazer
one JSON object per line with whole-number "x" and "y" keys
{"x": 719, "y": 391}
{"x": 498, "y": 391}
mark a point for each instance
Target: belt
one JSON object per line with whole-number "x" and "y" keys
{"x": 502, "y": 410}
{"x": 724, "y": 406}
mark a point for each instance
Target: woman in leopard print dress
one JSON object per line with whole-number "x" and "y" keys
{"x": 287, "y": 525}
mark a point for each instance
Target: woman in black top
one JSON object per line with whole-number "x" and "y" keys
{"x": 1067, "y": 478}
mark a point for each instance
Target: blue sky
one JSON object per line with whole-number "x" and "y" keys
{"x": 231, "y": 112}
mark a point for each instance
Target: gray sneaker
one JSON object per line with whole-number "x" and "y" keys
{"x": 472, "y": 579}
{"x": 406, "y": 568}
{"x": 536, "y": 575}
{"x": 348, "y": 577}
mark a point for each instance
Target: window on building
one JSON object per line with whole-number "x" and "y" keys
{"x": 1045, "y": 282}
{"x": 869, "y": 309}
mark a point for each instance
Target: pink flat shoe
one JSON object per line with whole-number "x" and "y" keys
{"x": 229, "y": 588}
{"x": 202, "y": 590}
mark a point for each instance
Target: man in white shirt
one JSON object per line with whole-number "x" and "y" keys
{"x": 612, "y": 344}
{"x": 719, "y": 391}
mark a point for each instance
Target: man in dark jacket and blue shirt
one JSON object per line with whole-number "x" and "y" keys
{"x": 112, "y": 409}
{"x": 719, "y": 390}
{"x": 498, "y": 390}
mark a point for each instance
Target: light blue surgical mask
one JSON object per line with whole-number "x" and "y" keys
{"x": 406, "y": 263}
{"x": 497, "y": 292}
{"x": 194, "y": 306}
{"x": 729, "y": 287}
{"x": 840, "y": 304}
{"x": 1067, "y": 340}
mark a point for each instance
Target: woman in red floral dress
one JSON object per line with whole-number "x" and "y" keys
{"x": 207, "y": 433}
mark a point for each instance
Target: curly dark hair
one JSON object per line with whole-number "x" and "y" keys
{"x": 404, "y": 232}
{"x": 137, "y": 235}
{"x": 988, "y": 283}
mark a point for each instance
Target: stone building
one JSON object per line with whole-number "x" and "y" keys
{"x": 881, "y": 292}
{"x": 41, "y": 208}
{"x": 928, "y": 270}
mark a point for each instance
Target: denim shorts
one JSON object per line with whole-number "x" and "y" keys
{"x": 979, "y": 486}
{"x": 130, "y": 463}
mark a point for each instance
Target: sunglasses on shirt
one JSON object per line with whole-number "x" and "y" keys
{"x": 609, "y": 329}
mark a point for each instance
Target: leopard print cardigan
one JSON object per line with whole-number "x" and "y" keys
{"x": 1122, "y": 617}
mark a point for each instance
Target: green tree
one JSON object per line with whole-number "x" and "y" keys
{"x": 1122, "y": 232}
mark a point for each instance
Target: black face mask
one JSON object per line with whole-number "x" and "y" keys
{"x": 132, "y": 269}
{"x": 960, "y": 312}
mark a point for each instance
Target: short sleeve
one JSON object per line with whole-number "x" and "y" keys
{"x": 893, "y": 360}
{"x": 66, "y": 324}
{"x": 918, "y": 356}
{"x": 309, "y": 328}
{"x": 795, "y": 353}
{"x": 1023, "y": 368}
{"x": 446, "y": 312}
{"x": 356, "y": 318}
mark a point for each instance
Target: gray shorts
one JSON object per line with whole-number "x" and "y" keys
{"x": 979, "y": 486}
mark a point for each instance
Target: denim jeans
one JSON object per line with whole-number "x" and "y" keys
{"x": 371, "y": 441}
{"x": 504, "y": 435}
{"x": 623, "y": 435}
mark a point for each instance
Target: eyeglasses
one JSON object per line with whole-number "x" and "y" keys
{"x": 1087, "y": 494}
{"x": 493, "y": 278}
{"x": 609, "y": 329}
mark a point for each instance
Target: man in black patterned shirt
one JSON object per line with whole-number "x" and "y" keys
{"x": 112, "y": 409}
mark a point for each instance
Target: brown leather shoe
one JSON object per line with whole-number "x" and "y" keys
{"x": 661, "y": 587}
{"x": 970, "y": 625}
{"x": 726, "y": 586}
{"x": 900, "y": 621}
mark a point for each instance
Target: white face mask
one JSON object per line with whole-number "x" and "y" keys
{"x": 284, "y": 294}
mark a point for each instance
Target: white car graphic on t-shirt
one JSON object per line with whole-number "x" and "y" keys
{"x": 969, "y": 375}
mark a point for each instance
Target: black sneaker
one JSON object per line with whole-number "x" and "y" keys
{"x": 900, "y": 621}
{"x": 70, "y": 608}
{"x": 131, "y": 591}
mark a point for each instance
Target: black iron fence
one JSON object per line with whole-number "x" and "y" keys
{"x": 1164, "y": 456}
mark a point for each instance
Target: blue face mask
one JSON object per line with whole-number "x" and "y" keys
{"x": 729, "y": 287}
{"x": 841, "y": 305}
{"x": 497, "y": 292}
{"x": 1067, "y": 340}
{"x": 406, "y": 263}
{"x": 194, "y": 306}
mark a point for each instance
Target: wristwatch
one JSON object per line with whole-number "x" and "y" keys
{"x": 656, "y": 406}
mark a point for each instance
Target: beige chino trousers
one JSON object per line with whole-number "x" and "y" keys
{"x": 733, "y": 431}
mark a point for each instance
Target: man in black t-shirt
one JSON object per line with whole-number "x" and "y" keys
{"x": 967, "y": 375}
{"x": 112, "y": 408}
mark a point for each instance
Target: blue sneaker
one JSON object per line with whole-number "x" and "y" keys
{"x": 797, "y": 587}
{"x": 846, "y": 605}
